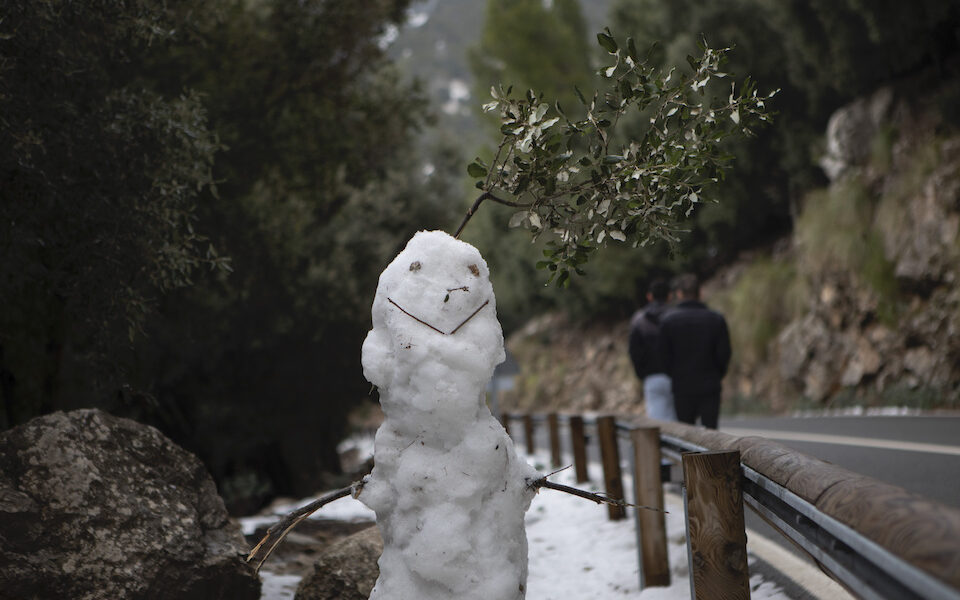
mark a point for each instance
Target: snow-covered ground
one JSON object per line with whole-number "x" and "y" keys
{"x": 575, "y": 552}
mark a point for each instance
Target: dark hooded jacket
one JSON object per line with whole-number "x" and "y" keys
{"x": 644, "y": 340}
{"x": 694, "y": 348}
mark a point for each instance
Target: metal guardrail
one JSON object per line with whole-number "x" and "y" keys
{"x": 866, "y": 568}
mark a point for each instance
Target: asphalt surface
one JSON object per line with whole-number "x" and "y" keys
{"x": 918, "y": 453}
{"x": 917, "y": 457}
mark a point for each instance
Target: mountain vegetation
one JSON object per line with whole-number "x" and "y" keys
{"x": 196, "y": 201}
{"x": 781, "y": 46}
{"x": 840, "y": 214}
{"x": 196, "y": 198}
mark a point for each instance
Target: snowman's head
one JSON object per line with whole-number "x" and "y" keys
{"x": 434, "y": 307}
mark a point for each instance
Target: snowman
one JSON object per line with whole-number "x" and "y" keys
{"x": 448, "y": 488}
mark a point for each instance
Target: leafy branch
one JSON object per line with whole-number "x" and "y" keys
{"x": 569, "y": 184}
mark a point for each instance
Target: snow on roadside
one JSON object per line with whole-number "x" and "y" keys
{"x": 575, "y": 552}
{"x": 278, "y": 587}
{"x": 346, "y": 509}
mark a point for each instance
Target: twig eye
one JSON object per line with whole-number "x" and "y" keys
{"x": 415, "y": 265}
{"x": 474, "y": 270}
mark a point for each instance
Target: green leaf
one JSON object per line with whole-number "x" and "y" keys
{"x": 475, "y": 169}
{"x": 608, "y": 43}
{"x": 632, "y": 49}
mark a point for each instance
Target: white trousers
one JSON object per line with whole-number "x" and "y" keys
{"x": 658, "y": 395}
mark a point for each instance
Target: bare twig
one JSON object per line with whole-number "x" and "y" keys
{"x": 455, "y": 329}
{"x": 557, "y": 471}
{"x": 279, "y": 531}
{"x": 417, "y": 319}
{"x": 598, "y": 498}
{"x": 472, "y": 315}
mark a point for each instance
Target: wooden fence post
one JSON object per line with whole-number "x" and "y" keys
{"x": 579, "y": 445}
{"x": 610, "y": 457}
{"x": 528, "y": 432}
{"x": 716, "y": 539}
{"x": 553, "y": 423}
{"x": 648, "y": 491}
{"x": 505, "y": 421}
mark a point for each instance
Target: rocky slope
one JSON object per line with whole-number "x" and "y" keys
{"x": 860, "y": 305}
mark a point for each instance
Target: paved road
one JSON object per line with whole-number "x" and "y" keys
{"x": 919, "y": 453}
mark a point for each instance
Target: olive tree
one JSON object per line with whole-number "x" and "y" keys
{"x": 574, "y": 180}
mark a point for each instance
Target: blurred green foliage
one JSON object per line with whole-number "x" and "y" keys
{"x": 532, "y": 44}
{"x": 767, "y": 295}
{"x": 100, "y": 177}
{"x": 836, "y": 236}
{"x": 116, "y": 123}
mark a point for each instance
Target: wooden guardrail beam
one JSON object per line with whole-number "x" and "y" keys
{"x": 651, "y": 524}
{"x": 578, "y": 443}
{"x": 917, "y": 530}
{"x": 553, "y": 426}
{"x": 528, "y": 434}
{"x": 610, "y": 457}
{"x": 716, "y": 538}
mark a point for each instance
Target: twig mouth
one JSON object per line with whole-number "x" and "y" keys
{"x": 438, "y": 330}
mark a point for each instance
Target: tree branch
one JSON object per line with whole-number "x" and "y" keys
{"x": 536, "y": 484}
{"x": 478, "y": 202}
{"x": 279, "y": 530}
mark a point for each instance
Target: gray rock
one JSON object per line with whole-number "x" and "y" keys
{"x": 851, "y": 130}
{"x": 864, "y": 361}
{"x": 95, "y": 507}
{"x": 347, "y": 571}
{"x": 920, "y": 238}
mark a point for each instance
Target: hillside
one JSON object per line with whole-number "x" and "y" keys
{"x": 860, "y": 305}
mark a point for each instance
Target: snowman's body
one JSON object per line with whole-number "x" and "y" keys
{"x": 448, "y": 489}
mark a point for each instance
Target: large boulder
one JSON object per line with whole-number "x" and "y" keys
{"x": 94, "y": 507}
{"x": 347, "y": 571}
{"x": 851, "y": 131}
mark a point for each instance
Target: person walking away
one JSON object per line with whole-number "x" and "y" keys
{"x": 695, "y": 351}
{"x": 645, "y": 353}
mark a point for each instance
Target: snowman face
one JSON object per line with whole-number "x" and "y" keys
{"x": 435, "y": 299}
{"x": 457, "y": 301}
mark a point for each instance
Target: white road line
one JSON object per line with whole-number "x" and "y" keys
{"x": 844, "y": 440}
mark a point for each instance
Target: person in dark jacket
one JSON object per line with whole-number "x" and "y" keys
{"x": 695, "y": 350}
{"x": 645, "y": 353}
